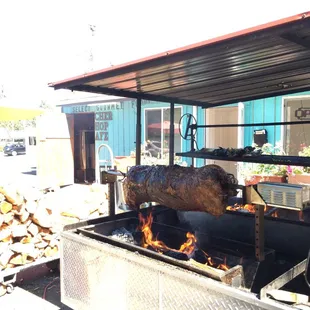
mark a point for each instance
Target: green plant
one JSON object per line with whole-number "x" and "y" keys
{"x": 305, "y": 152}
{"x": 250, "y": 169}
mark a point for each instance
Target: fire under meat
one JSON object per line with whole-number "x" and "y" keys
{"x": 247, "y": 207}
{"x": 188, "y": 247}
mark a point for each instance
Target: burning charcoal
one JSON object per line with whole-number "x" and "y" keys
{"x": 199, "y": 256}
{"x": 176, "y": 255}
{"x": 138, "y": 237}
{"x": 123, "y": 234}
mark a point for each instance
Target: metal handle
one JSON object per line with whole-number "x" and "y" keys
{"x": 98, "y": 161}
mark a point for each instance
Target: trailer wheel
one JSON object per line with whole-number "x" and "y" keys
{"x": 9, "y": 288}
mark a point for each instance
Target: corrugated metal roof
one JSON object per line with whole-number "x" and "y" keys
{"x": 268, "y": 60}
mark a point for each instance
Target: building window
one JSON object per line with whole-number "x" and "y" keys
{"x": 157, "y": 130}
{"x": 32, "y": 141}
{"x": 296, "y": 137}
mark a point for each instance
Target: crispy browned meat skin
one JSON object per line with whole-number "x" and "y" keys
{"x": 181, "y": 188}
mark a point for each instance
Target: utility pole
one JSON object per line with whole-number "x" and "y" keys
{"x": 92, "y": 29}
{"x": 2, "y": 94}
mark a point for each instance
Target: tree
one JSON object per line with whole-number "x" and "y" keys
{"x": 12, "y": 126}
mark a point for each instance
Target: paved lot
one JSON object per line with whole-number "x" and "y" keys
{"x": 21, "y": 168}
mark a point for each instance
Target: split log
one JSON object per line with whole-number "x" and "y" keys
{"x": 24, "y": 216}
{"x": 36, "y": 239}
{"x": 26, "y": 239}
{"x": 11, "y": 195}
{"x": 8, "y": 218}
{"x": 14, "y": 222}
{"x": 2, "y": 289}
{"x": 53, "y": 243}
{"x": 29, "y": 222}
{"x": 41, "y": 245}
{"x": 35, "y": 254}
{"x": 5, "y": 232}
{"x": 49, "y": 251}
{"x": 33, "y": 229}
{"x": 32, "y": 194}
{"x": 19, "y": 259}
{"x": 19, "y": 231}
{"x": 44, "y": 231}
{"x": 48, "y": 238}
{"x": 5, "y": 207}
{"x": 8, "y": 240}
{"x": 5, "y": 257}
{"x": 18, "y": 209}
{"x": 42, "y": 218}
{"x": 204, "y": 189}
{"x": 22, "y": 248}
{"x": 31, "y": 206}
{"x": 1, "y": 219}
{"x": 3, "y": 247}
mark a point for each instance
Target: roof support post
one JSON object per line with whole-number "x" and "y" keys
{"x": 171, "y": 136}
{"x": 138, "y": 133}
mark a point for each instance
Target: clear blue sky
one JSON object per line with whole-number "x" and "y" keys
{"x": 45, "y": 41}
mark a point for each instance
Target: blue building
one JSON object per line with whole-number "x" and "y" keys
{"x": 113, "y": 122}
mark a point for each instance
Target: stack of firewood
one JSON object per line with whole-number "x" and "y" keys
{"x": 26, "y": 229}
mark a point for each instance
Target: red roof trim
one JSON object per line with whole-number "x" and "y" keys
{"x": 187, "y": 48}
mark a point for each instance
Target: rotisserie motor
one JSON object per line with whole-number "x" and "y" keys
{"x": 204, "y": 189}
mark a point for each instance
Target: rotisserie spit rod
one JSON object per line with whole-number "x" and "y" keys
{"x": 181, "y": 188}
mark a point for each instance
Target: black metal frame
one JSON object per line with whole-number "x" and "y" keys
{"x": 138, "y": 133}
{"x": 263, "y": 159}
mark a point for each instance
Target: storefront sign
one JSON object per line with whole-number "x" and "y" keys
{"x": 103, "y": 115}
{"x": 303, "y": 113}
{"x": 102, "y": 124}
{"x": 94, "y": 108}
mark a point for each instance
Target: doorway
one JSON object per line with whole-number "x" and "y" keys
{"x": 84, "y": 148}
{"x": 222, "y": 137}
{"x": 296, "y": 136}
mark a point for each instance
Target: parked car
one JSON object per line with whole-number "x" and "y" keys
{"x": 14, "y": 149}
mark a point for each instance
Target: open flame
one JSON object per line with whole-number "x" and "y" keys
{"x": 188, "y": 247}
{"x": 248, "y": 207}
{"x": 251, "y": 209}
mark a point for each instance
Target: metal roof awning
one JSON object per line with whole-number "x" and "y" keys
{"x": 263, "y": 61}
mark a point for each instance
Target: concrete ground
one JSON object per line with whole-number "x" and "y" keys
{"x": 35, "y": 288}
{"x": 21, "y": 168}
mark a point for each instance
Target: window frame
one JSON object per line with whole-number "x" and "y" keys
{"x": 162, "y": 117}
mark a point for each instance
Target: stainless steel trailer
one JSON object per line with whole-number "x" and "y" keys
{"x": 265, "y": 61}
{"x": 96, "y": 273}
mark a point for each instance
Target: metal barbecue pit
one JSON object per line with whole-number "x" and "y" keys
{"x": 97, "y": 268}
{"x": 244, "y": 269}
{"x": 171, "y": 236}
